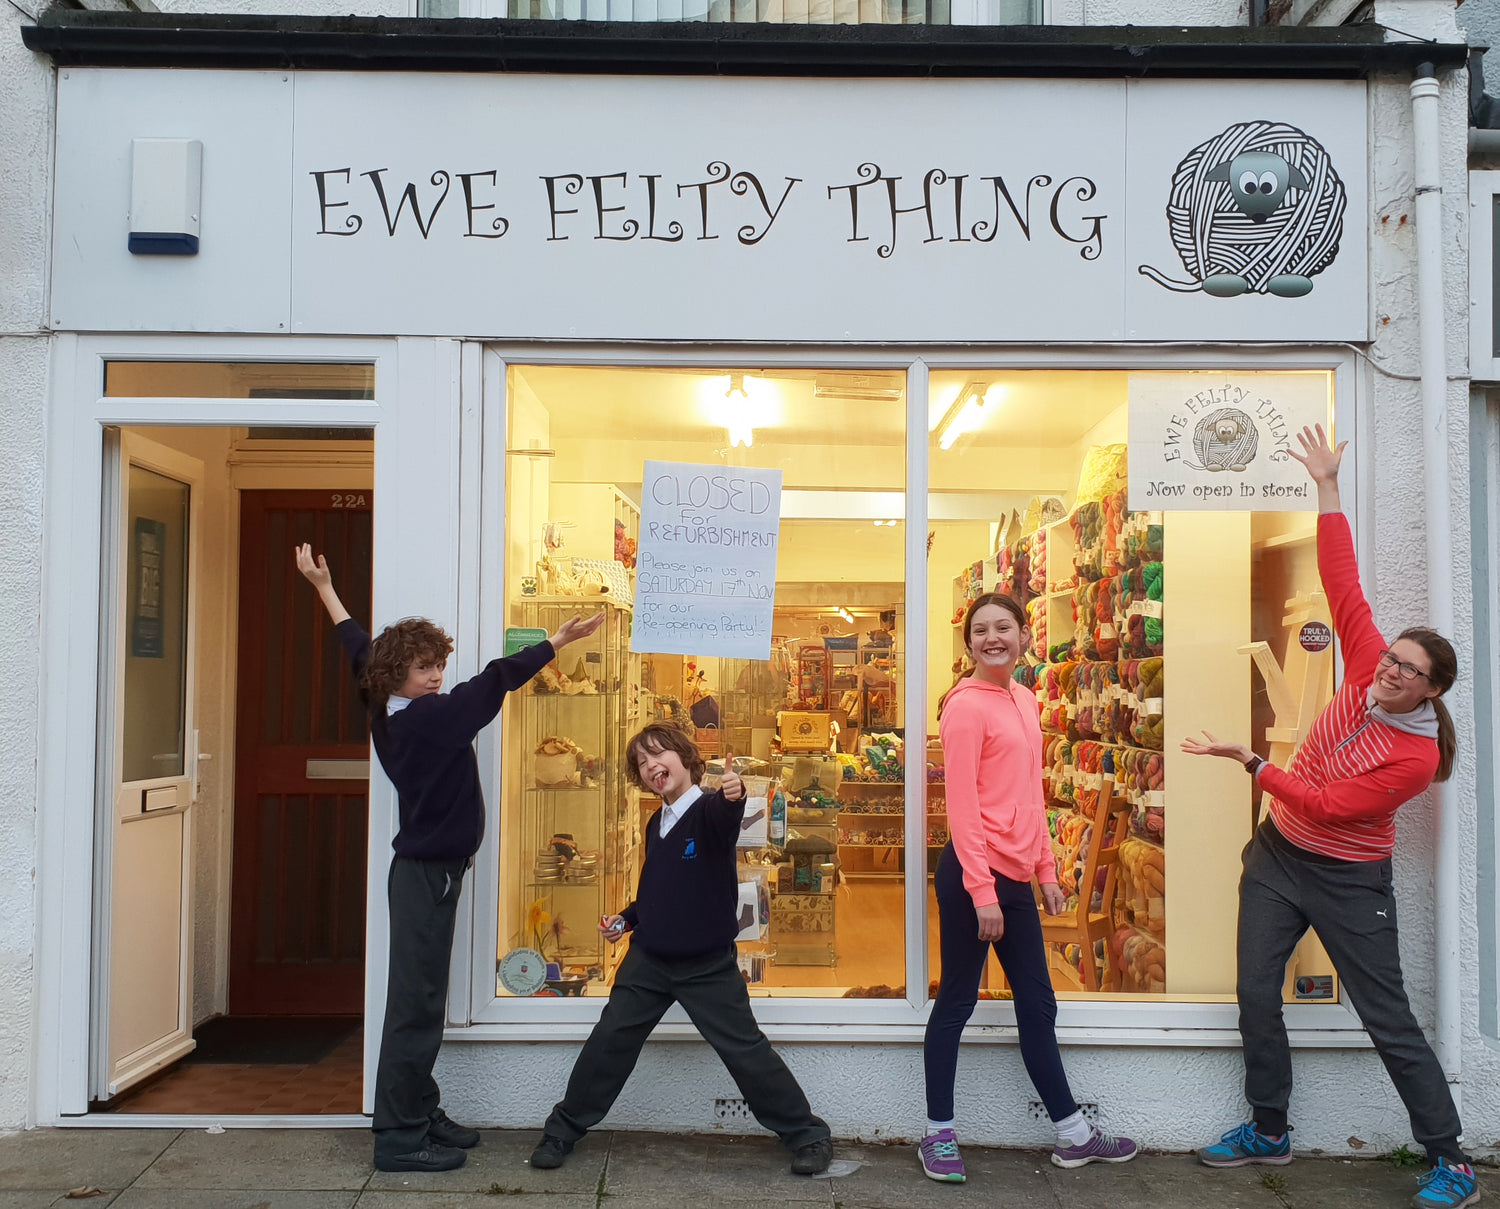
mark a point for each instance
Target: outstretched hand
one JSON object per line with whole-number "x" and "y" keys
{"x": 1212, "y": 747}
{"x": 1322, "y": 461}
{"x": 314, "y": 571}
{"x": 575, "y": 628}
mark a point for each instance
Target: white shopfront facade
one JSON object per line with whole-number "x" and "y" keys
{"x": 443, "y": 227}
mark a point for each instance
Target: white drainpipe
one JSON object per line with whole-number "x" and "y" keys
{"x": 1436, "y": 475}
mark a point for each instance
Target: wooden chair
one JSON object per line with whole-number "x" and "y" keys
{"x": 1084, "y": 927}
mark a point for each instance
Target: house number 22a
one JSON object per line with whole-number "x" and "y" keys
{"x": 349, "y": 500}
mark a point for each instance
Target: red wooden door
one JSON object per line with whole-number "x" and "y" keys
{"x": 297, "y": 931}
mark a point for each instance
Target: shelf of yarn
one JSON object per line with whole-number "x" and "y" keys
{"x": 1096, "y": 666}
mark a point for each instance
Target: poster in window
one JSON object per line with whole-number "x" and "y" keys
{"x": 1223, "y": 442}
{"x": 145, "y": 592}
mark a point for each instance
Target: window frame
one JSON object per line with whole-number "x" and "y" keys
{"x": 491, "y": 1017}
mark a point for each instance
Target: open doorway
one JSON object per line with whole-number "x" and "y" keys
{"x": 265, "y": 927}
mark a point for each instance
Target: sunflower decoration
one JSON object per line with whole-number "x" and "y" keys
{"x": 546, "y": 929}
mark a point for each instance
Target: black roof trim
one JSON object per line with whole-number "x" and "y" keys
{"x": 115, "y": 39}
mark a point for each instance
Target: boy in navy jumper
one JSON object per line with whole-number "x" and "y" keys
{"x": 424, "y": 739}
{"x": 682, "y": 951}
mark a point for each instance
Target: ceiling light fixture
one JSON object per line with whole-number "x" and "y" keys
{"x": 846, "y": 615}
{"x": 740, "y": 432}
{"x": 966, "y": 415}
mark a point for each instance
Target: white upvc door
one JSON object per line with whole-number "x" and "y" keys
{"x": 147, "y": 767}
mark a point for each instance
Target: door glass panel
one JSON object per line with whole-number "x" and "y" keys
{"x": 156, "y": 535}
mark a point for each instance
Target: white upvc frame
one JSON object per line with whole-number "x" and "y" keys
{"x": 1484, "y": 196}
{"x": 123, "y": 451}
{"x": 1147, "y": 1023}
{"x": 70, "y": 668}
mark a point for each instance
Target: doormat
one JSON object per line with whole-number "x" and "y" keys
{"x": 266, "y": 1040}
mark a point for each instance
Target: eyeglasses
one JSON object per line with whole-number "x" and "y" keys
{"x": 1408, "y": 671}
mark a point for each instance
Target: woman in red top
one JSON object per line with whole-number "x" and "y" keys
{"x": 1322, "y": 859}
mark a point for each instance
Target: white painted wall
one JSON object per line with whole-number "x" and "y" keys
{"x": 866, "y": 1091}
{"x": 26, "y": 98}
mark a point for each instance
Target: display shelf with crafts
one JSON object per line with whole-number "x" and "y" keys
{"x": 576, "y": 816}
{"x": 1102, "y": 693}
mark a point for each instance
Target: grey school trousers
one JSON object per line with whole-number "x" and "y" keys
{"x": 713, "y": 993}
{"x": 1350, "y": 905}
{"x": 424, "y": 905}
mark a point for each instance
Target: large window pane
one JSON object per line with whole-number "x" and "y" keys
{"x": 1145, "y": 627}
{"x": 819, "y": 722}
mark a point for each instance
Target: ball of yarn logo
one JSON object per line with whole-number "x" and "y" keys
{"x": 1225, "y": 440}
{"x": 1258, "y": 209}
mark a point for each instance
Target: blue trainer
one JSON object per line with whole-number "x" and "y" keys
{"x": 1246, "y": 1144}
{"x": 1446, "y": 1186}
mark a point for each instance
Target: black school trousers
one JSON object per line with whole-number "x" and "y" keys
{"x": 423, "y": 898}
{"x": 1284, "y": 891}
{"x": 712, "y": 991}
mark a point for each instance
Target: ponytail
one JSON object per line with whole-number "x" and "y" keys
{"x": 964, "y": 675}
{"x": 1447, "y": 740}
{"x": 1443, "y": 673}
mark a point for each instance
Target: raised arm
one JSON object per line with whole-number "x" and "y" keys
{"x": 316, "y": 572}
{"x": 1337, "y": 566}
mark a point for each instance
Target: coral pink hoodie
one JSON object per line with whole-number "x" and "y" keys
{"x": 992, "y": 753}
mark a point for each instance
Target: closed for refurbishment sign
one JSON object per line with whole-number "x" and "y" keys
{"x": 706, "y": 566}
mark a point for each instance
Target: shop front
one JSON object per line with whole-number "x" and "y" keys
{"x": 779, "y": 375}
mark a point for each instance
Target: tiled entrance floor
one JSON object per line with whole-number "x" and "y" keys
{"x": 330, "y": 1086}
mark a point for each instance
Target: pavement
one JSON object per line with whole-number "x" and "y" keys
{"x": 330, "y": 1169}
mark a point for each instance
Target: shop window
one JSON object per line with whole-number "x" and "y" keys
{"x": 817, "y": 728}
{"x": 238, "y": 380}
{"x": 1146, "y": 626}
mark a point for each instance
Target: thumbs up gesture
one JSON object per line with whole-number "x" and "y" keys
{"x": 733, "y": 788}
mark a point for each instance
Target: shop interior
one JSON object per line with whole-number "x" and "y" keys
{"x": 1029, "y": 496}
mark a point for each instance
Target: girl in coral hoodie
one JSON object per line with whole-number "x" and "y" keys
{"x": 1322, "y": 859}
{"x": 992, "y": 751}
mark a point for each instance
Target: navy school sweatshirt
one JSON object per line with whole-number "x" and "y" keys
{"x": 685, "y": 905}
{"x": 427, "y": 750}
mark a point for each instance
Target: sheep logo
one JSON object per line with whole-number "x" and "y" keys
{"x": 1225, "y": 440}
{"x": 1257, "y": 209}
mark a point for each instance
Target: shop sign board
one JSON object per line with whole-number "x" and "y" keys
{"x": 1222, "y": 442}
{"x": 706, "y": 566}
{"x": 538, "y": 206}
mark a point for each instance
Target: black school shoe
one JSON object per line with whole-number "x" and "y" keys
{"x": 550, "y": 1152}
{"x": 432, "y": 1157}
{"x": 812, "y": 1158}
{"x": 442, "y": 1129}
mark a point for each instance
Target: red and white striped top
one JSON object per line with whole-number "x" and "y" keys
{"x": 1353, "y": 772}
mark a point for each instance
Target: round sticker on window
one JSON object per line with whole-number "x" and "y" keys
{"x": 1315, "y": 636}
{"x": 523, "y": 972}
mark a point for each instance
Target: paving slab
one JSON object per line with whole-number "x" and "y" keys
{"x": 697, "y": 1169}
{"x": 892, "y": 1178}
{"x": 59, "y": 1159}
{"x": 500, "y": 1160}
{"x": 223, "y": 1198}
{"x": 1342, "y": 1184}
{"x": 387, "y": 1199}
{"x": 269, "y": 1159}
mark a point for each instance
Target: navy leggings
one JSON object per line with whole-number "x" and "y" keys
{"x": 1023, "y": 957}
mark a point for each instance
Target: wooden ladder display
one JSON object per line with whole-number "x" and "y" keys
{"x": 1081, "y": 925}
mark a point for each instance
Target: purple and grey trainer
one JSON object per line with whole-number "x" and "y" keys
{"x": 940, "y": 1158}
{"x": 1100, "y": 1148}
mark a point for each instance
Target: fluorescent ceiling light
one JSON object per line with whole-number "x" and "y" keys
{"x": 965, "y": 416}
